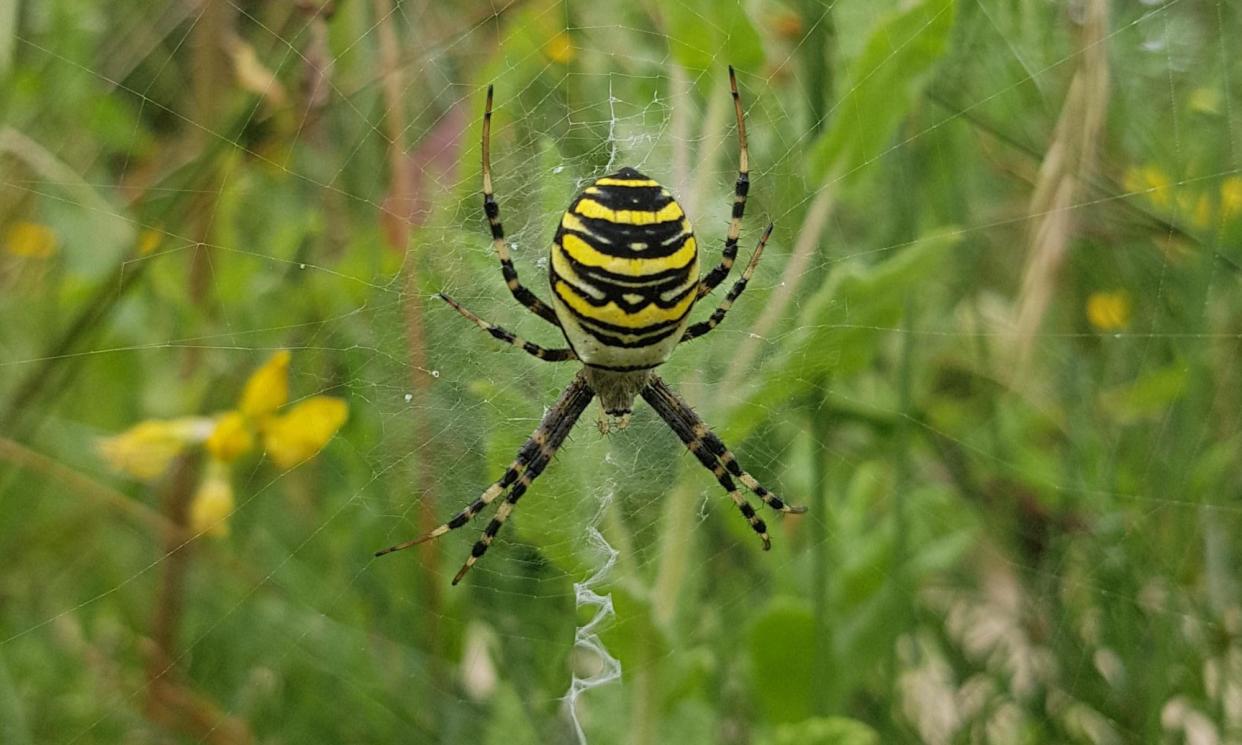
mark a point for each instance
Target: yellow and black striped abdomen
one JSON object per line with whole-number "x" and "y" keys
{"x": 624, "y": 272}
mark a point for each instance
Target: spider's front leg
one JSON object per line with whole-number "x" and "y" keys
{"x": 702, "y": 327}
{"x": 531, "y": 459}
{"x": 713, "y": 454}
{"x": 491, "y": 208}
{"x": 740, "y": 190}
{"x": 508, "y": 337}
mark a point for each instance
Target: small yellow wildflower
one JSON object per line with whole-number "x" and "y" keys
{"x": 1152, "y": 182}
{"x": 1109, "y": 311}
{"x": 560, "y": 48}
{"x": 30, "y": 240}
{"x": 298, "y": 435}
{"x": 290, "y": 438}
{"x": 231, "y": 437}
{"x": 149, "y": 240}
{"x": 145, "y": 450}
{"x": 1231, "y": 198}
{"x": 213, "y": 502}
{"x": 268, "y": 388}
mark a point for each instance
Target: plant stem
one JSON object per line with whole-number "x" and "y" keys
{"x": 902, "y": 481}
{"x": 791, "y": 279}
{"x": 22, "y": 456}
{"x": 393, "y": 87}
{"x": 822, "y": 689}
{"x": 815, "y": 50}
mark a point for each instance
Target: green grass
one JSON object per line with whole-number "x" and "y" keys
{"x": 993, "y": 345}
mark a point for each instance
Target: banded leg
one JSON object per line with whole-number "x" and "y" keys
{"x": 721, "y": 270}
{"x": 682, "y": 421}
{"x": 713, "y": 444}
{"x": 492, "y": 210}
{"x": 531, "y": 459}
{"x": 702, "y": 327}
{"x": 547, "y": 355}
{"x": 556, "y": 426}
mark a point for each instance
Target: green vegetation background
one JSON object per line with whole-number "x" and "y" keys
{"x": 993, "y": 346}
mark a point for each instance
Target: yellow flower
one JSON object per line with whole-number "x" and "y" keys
{"x": 267, "y": 389}
{"x": 1109, "y": 311}
{"x": 231, "y": 437}
{"x": 1150, "y": 181}
{"x": 145, "y": 449}
{"x": 149, "y": 240}
{"x": 30, "y": 240}
{"x": 1231, "y": 198}
{"x": 560, "y": 48}
{"x": 213, "y": 502}
{"x": 297, "y": 435}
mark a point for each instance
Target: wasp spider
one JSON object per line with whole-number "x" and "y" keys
{"x": 624, "y": 275}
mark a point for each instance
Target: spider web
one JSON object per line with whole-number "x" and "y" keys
{"x": 1007, "y": 379}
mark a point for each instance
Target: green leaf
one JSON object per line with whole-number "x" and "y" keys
{"x": 1149, "y": 396}
{"x": 780, "y": 645}
{"x": 880, "y": 88}
{"x": 510, "y": 722}
{"x": 844, "y": 323}
{"x": 705, "y": 35}
{"x": 824, "y": 731}
{"x": 13, "y": 726}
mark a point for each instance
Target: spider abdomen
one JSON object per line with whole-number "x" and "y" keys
{"x": 624, "y": 272}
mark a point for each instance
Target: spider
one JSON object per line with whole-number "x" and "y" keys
{"x": 624, "y": 275}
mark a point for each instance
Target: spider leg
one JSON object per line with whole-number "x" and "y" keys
{"x": 689, "y": 427}
{"x": 555, "y": 428}
{"x": 702, "y": 327}
{"x": 492, "y": 209}
{"x": 547, "y": 355}
{"x": 531, "y": 459}
{"x": 721, "y": 270}
{"x": 697, "y": 431}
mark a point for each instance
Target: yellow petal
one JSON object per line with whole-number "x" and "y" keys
{"x": 145, "y": 449}
{"x": 268, "y": 388}
{"x": 1150, "y": 181}
{"x": 213, "y": 502}
{"x": 560, "y": 48}
{"x": 231, "y": 437}
{"x": 30, "y": 240}
{"x": 297, "y": 435}
{"x": 1231, "y": 198}
{"x": 1109, "y": 311}
{"x": 148, "y": 241}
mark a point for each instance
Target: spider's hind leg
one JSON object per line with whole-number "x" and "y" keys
{"x": 531, "y": 459}
{"x": 712, "y": 453}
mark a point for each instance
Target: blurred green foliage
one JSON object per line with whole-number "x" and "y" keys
{"x": 1020, "y": 531}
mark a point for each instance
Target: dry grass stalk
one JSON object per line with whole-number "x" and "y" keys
{"x": 1067, "y": 165}
{"x": 795, "y": 270}
{"x": 399, "y": 225}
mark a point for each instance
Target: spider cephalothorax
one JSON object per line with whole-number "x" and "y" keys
{"x": 624, "y": 274}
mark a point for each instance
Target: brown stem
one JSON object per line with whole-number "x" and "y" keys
{"x": 172, "y": 703}
{"x": 791, "y": 279}
{"x": 176, "y": 552}
{"x": 401, "y": 195}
